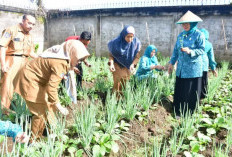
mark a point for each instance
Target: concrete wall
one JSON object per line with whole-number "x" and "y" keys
{"x": 155, "y": 23}
{"x": 9, "y": 17}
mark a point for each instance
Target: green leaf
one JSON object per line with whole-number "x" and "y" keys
{"x": 103, "y": 150}
{"x": 72, "y": 149}
{"x": 115, "y": 137}
{"x": 108, "y": 145}
{"x": 79, "y": 153}
{"x": 1, "y": 138}
{"x": 187, "y": 154}
{"x": 65, "y": 138}
{"x": 211, "y": 131}
{"x": 195, "y": 148}
{"x": 203, "y": 137}
{"x": 219, "y": 120}
{"x": 191, "y": 138}
{"x": 115, "y": 147}
{"x": 207, "y": 120}
{"x": 104, "y": 139}
{"x": 96, "y": 150}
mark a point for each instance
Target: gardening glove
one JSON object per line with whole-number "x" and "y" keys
{"x": 64, "y": 111}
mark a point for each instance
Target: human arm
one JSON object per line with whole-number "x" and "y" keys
{"x": 4, "y": 66}
{"x": 9, "y": 129}
{"x": 4, "y": 42}
{"x": 200, "y": 47}
{"x": 134, "y": 63}
{"x": 212, "y": 62}
{"x": 58, "y": 69}
{"x": 157, "y": 67}
{"x": 86, "y": 63}
{"x": 111, "y": 62}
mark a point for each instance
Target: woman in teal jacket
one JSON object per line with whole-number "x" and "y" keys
{"x": 148, "y": 63}
{"x": 188, "y": 55}
{"x": 208, "y": 61}
{"x": 9, "y": 129}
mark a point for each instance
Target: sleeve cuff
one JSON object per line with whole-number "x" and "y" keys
{"x": 192, "y": 53}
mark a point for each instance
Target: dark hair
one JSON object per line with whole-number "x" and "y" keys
{"x": 25, "y": 16}
{"x": 85, "y": 35}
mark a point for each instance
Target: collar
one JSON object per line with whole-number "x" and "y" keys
{"x": 20, "y": 29}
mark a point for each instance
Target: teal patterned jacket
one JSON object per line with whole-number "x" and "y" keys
{"x": 208, "y": 56}
{"x": 189, "y": 65}
{"x": 7, "y": 128}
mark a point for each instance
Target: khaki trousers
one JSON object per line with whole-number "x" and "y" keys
{"x": 120, "y": 76}
{"x": 14, "y": 63}
{"x": 41, "y": 114}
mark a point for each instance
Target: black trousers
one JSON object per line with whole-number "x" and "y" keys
{"x": 79, "y": 77}
{"x": 204, "y": 90}
{"x": 186, "y": 94}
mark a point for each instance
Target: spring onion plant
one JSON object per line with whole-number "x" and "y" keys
{"x": 129, "y": 103}
{"x": 215, "y": 82}
{"x": 85, "y": 123}
{"x": 112, "y": 111}
{"x": 159, "y": 149}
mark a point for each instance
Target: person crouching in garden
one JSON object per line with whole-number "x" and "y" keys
{"x": 208, "y": 60}
{"x": 124, "y": 56}
{"x": 9, "y": 129}
{"x": 148, "y": 63}
{"x": 38, "y": 82}
{"x": 188, "y": 52}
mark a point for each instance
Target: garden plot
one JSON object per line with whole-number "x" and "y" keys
{"x": 139, "y": 124}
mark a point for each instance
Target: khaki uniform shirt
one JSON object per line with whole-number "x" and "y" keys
{"x": 39, "y": 80}
{"x": 17, "y": 41}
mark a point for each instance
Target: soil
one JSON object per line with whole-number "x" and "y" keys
{"x": 158, "y": 125}
{"x": 10, "y": 145}
{"x": 140, "y": 133}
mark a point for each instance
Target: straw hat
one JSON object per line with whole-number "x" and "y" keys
{"x": 189, "y": 17}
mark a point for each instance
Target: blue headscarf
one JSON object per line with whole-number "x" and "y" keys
{"x": 193, "y": 27}
{"x": 149, "y": 49}
{"x": 206, "y": 33}
{"x": 122, "y": 51}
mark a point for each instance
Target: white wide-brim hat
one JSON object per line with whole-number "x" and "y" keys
{"x": 189, "y": 17}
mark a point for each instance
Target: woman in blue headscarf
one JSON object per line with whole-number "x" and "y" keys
{"x": 188, "y": 55}
{"x": 148, "y": 63}
{"x": 208, "y": 60}
{"x": 124, "y": 56}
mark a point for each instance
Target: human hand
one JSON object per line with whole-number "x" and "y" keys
{"x": 186, "y": 50}
{"x": 159, "y": 67}
{"x": 63, "y": 110}
{"x": 132, "y": 69}
{"x": 76, "y": 70}
{"x": 22, "y": 137}
{"x": 87, "y": 64}
{"x": 153, "y": 67}
{"x": 5, "y": 68}
{"x": 112, "y": 68}
{"x": 215, "y": 73}
{"x": 170, "y": 69}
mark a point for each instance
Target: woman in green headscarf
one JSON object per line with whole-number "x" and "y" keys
{"x": 148, "y": 63}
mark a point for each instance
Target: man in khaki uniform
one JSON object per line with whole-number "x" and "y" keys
{"x": 16, "y": 46}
